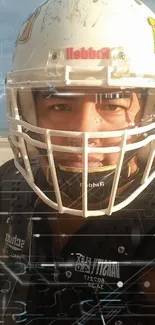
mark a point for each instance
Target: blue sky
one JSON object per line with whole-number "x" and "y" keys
{"x": 12, "y": 14}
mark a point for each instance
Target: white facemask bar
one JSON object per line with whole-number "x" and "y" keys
{"x": 15, "y": 122}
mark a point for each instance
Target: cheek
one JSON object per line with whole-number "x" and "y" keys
{"x": 122, "y": 120}
{"x": 116, "y": 122}
{"x": 44, "y": 121}
{"x": 56, "y": 121}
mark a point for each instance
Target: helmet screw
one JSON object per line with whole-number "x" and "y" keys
{"x": 121, "y": 55}
{"x": 121, "y": 249}
{"x": 55, "y": 56}
{"x": 118, "y": 322}
{"x": 14, "y": 317}
{"x": 68, "y": 274}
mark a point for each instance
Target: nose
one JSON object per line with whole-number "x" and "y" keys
{"x": 87, "y": 118}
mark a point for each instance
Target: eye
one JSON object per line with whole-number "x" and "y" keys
{"x": 110, "y": 107}
{"x": 60, "y": 107}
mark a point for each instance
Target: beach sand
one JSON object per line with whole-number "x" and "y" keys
{"x": 5, "y": 151}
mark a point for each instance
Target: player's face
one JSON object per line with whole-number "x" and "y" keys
{"x": 88, "y": 113}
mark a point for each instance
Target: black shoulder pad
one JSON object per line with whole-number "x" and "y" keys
{"x": 14, "y": 188}
{"x": 16, "y": 204}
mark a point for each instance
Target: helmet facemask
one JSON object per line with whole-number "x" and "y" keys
{"x": 76, "y": 168}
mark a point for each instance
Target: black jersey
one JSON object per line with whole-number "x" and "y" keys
{"x": 98, "y": 278}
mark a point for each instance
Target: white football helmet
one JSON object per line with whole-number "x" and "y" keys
{"x": 85, "y": 44}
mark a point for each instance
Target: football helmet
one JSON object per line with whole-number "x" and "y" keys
{"x": 68, "y": 47}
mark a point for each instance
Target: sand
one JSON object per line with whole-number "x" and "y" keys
{"x": 5, "y": 151}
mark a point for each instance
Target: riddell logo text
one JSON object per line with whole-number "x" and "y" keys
{"x": 83, "y": 53}
{"x": 92, "y": 185}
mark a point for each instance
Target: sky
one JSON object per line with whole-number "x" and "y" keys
{"x": 12, "y": 14}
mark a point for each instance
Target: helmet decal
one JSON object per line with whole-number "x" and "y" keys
{"x": 152, "y": 23}
{"x": 25, "y": 34}
{"x": 27, "y": 26}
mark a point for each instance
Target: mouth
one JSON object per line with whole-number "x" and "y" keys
{"x": 76, "y": 166}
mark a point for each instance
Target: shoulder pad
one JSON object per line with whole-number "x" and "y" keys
{"x": 17, "y": 201}
{"x": 13, "y": 187}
